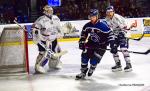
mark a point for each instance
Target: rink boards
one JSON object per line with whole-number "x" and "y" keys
{"x": 77, "y": 39}
{"x": 72, "y": 32}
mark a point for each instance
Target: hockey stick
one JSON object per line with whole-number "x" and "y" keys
{"x": 138, "y": 39}
{"x": 135, "y": 25}
{"x": 50, "y": 52}
{"x": 19, "y": 25}
{"x": 129, "y": 29}
{"x": 144, "y": 53}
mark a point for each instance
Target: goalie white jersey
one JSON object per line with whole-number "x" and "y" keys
{"x": 48, "y": 28}
{"x": 117, "y": 22}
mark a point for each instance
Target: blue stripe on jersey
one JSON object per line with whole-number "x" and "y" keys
{"x": 102, "y": 26}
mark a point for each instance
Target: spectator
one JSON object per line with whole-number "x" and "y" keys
{"x": 69, "y": 10}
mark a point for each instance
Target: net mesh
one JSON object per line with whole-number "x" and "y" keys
{"x": 12, "y": 50}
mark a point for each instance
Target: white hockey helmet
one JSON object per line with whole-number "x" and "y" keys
{"x": 48, "y": 10}
{"x": 110, "y": 9}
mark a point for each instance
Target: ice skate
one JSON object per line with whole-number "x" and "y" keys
{"x": 82, "y": 74}
{"x": 90, "y": 72}
{"x": 117, "y": 67}
{"x": 128, "y": 67}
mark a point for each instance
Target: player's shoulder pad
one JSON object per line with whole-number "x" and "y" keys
{"x": 118, "y": 17}
{"x": 86, "y": 25}
{"x": 104, "y": 26}
{"x": 40, "y": 18}
{"x": 106, "y": 19}
{"x": 39, "y": 21}
{"x": 55, "y": 17}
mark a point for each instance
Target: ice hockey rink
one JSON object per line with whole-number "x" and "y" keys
{"x": 103, "y": 78}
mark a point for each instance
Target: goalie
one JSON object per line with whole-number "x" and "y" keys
{"x": 46, "y": 29}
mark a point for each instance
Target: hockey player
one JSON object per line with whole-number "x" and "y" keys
{"x": 118, "y": 24}
{"x": 46, "y": 29}
{"x": 94, "y": 38}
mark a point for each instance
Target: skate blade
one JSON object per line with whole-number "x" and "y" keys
{"x": 88, "y": 78}
{"x": 116, "y": 70}
{"x": 80, "y": 78}
{"x": 128, "y": 70}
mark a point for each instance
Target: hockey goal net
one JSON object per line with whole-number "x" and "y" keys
{"x": 13, "y": 50}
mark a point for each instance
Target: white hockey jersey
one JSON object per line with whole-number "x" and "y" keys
{"x": 117, "y": 22}
{"x": 49, "y": 28}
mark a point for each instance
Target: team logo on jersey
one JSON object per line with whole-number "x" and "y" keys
{"x": 94, "y": 37}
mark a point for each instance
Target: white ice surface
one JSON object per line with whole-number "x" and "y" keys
{"x": 103, "y": 78}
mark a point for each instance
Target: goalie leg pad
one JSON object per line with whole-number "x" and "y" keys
{"x": 40, "y": 69}
{"x": 44, "y": 59}
{"x": 59, "y": 65}
{"x": 39, "y": 58}
{"x": 44, "y": 62}
{"x": 40, "y": 62}
{"x": 55, "y": 63}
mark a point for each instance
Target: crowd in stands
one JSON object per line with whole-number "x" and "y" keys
{"x": 13, "y": 9}
{"x": 70, "y": 10}
{"x": 74, "y": 9}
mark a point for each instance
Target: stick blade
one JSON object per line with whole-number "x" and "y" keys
{"x": 147, "y": 52}
{"x": 57, "y": 55}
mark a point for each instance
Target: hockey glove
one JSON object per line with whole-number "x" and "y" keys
{"x": 113, "y": 46}
{"x": 113, "y": 49}
{"x": 82, "y": 45}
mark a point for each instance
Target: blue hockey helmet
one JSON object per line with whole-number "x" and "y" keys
{"x": 93, "y": 12}
{"x": 109, "y": 9}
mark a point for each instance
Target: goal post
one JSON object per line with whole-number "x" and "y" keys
{"x": 13, "y": 50}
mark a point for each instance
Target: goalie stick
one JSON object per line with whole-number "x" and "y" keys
{"x": 50, "y": 52}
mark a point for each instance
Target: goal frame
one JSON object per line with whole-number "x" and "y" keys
{"x": 25, "y": 44}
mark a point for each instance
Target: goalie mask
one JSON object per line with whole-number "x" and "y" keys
{"x": 48, "y": 10}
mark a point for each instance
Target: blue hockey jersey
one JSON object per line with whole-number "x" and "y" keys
{"x": 97, "y": 34}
